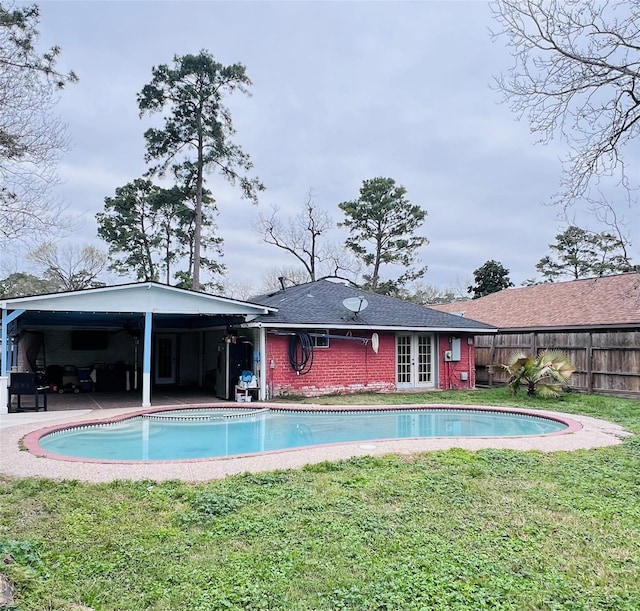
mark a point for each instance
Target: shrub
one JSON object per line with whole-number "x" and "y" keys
{"x": 544, "y": 375}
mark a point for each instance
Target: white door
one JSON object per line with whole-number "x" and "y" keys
{"x": 414, "y": 360}
{"x": 165, "y": 357}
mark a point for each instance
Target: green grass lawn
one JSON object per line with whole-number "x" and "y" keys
{"x": 447, "y": 530}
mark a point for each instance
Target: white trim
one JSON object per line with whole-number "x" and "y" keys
{"x": 186, "y": 302}
{"x": 125, "y": 287}
{"x": 269, "y": 325}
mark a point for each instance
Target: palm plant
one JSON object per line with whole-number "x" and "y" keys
{"x": 544, "y": 375}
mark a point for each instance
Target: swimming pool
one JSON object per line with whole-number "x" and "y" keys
{"x": 197, "y": 433}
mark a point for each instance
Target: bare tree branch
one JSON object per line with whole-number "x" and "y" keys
{"x": 32, "y": 138}
{"x": 71, "y": 267}
{"x": 304, "y": 237}
{"x": 575, "y": 77}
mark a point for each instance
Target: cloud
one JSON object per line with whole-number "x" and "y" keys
{"x": 342, "y": 92}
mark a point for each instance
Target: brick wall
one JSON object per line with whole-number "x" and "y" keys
{"x": 345, "y": 366}
{"x": 348, "y": 366}
{"x": 451, "y": 373}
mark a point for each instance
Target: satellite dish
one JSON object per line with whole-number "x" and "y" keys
{"x": 375, "y": 342}
{"x": 355, "y": 304}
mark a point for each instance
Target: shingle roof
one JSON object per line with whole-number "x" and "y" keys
{"x": 605, "y": 301}
{"x": 321, "y": 303}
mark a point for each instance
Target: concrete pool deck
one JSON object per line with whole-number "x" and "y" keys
{"x": 17, "y": 462}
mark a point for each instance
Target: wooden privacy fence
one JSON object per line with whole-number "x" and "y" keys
{"x": 606, "y": 361}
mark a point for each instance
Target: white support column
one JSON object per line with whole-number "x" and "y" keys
{"x": 146, "y": 360}
{"x": 262, "y": 341}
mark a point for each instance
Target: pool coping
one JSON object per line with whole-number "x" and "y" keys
{"x": 22, "y": 457}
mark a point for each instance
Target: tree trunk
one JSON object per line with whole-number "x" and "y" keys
{"x": 198, "y": 212}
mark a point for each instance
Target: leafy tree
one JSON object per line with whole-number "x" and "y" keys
{"x": 20, "y": 284}
{"x": 584, "y": 254}
{"x": 304, "y": 237}
{"x": 149, "y": 230}
{"x": 31, "y": 137}
{"x": 382, "y": 224}
{"x": 178, "y": 218}
{"x": 71, "y": 267}
{"x": 128, "y": 225}
{"x": 544, "y": 375}
{"x": 489, "y": 278}
{"x": 576, "y": 76}
{"x": 197, "y": 129}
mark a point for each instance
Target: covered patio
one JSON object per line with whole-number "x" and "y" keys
{"x": 155, "y": 341}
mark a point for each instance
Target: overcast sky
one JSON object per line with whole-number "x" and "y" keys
{"x": 342, "y": 92}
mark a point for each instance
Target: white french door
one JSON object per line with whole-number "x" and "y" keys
{"x": 414, "y": 360}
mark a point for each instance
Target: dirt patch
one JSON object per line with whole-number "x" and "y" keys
{"x": 7, "y": 594}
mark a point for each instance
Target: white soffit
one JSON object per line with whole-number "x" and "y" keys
{"x": 147, "y": 297}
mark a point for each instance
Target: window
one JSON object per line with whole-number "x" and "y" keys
{"x": 320, "y": 338}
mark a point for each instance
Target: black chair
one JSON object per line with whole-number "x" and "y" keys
{"x": 28, "y": 384}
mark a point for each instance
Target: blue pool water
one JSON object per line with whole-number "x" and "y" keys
{"x": 214, "y": 432}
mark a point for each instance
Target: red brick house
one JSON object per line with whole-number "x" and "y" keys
{"x": 327, "y": 337}
{"x": 318, "y": 338}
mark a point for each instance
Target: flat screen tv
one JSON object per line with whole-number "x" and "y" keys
{"x": 89, "y": 340}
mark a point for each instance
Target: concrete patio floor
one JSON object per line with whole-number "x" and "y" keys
{"x": 110, "y": 400}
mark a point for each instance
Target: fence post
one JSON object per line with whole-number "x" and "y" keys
{"x": 492, "y": 354}
{"x": 589, "y": 348}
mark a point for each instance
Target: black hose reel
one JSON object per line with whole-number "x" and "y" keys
{"x": 301, "y": 353}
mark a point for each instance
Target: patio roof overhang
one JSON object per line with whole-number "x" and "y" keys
{"x": 140, "y": 298}
{"x": 137, "y": 306}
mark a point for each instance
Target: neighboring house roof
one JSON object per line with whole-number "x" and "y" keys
{"x": 320, "y": 304}
{"x": 593, "y": 302}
